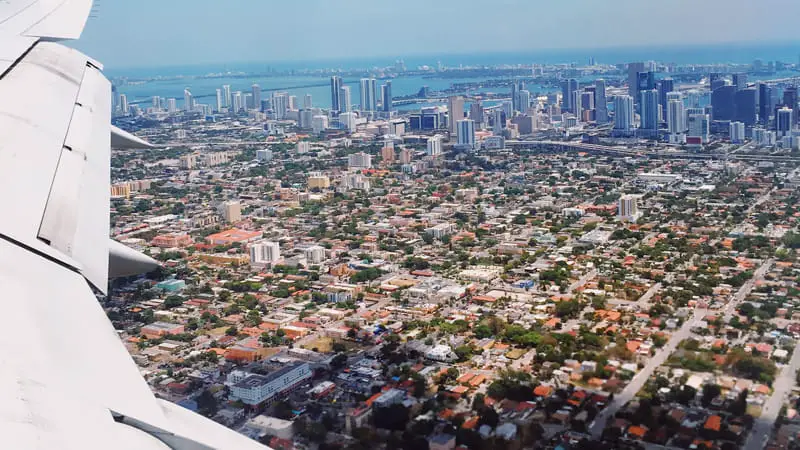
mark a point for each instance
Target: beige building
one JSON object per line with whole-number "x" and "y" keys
{"x": 318, "y": 180}
{"x": 121, "y": 190}
{"x": 232, "y": 211}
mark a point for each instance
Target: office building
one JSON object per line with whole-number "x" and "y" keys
{"x": 665, "y": 86}
{"x": 567, "y": 88}
{"x": 577, "y": 106}
{"x": 255, "y": 90}
{"x": 348, "y": 121}
{"x": 623, "y": 115}
{"x": 633, "y": 78}
{"x": 498, "y": 121}
{"x": 455, "y": 111}
{"x": 526, "y": 124}
{"x": 387, "y": 155}
{"x": 369, "y": 95}
{"x": 258, "y": 390}
{"x": 737, "y": 132}
{"x": 336, "y": 84}
{"x": 646, "y": 81}
{"x": 764, "y": 138}
{"x": 188, "y": 100}
{"x": 524, "y": 100}
{"x": 172, "y": 105}
{"x": 476, "y": 113}
{"x": 739, "y": 81}
{"x": 764, "y": 103}
{"x": 319, "y": 124}
{"x": 649, "y": 113}
{"x": 600, "y": 101}
{"x": 434, "y": 145}
{"x": 715, "y": 81}
{"x": 386, "y": 96}
{"x": 123, "y": 105}
{"x": 265, "y": 252}
{"x": 746, "y": 100}
{"x": 305, "y": 118}
{"x": 676, "y": 118}
{"x": 790, "y": 101}
{"x": 307, "y": 102}
{"x": 699, "y": 126}
{"x": 345, "y": 100}
{"x": 317, "y": 180}
{"x": 466, "y": 134}
{"x": 783, "y": 121}
{"x": 359, "y": 160}
{"x": 516, "y": 87}
{"x": 232, "y": 211}
{"x": 723, "y": 102}
{"x": 280, "y": 104}
{"x": 627, "y": 209}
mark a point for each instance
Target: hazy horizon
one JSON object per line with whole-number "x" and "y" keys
{"x": 163, "y": 34}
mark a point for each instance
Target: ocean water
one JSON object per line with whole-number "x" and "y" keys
{"x": 786, "y": 52}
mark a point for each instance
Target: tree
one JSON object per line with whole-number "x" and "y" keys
{"x": 739, "y": 406}
{"x": 488, "y": 416}
{"x": 232, "y": 331}
{"x": 207, "y": 403}
{"x": 477, "y": 402}
{"x": 420, "y": 387}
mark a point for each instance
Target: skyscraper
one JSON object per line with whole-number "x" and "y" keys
{"x": 123, "y": 105}
{"x": 633, "y": 78}
{"x": 665, "y": 86}
{"x": 740, "y": 81}
{"x": 386, "y": 96}
{"x": 645, "y": 81}
{"x": 466, "y": 133}
{"x": 476, "y": 113}
{"x": 369, "y": 95}
{"x": 524, "y": 100}
{"x": 737, "y": 132}
{"x": 600, "y": 101}
{"x": 307, "y": 102}
{"x": 676, "y": 118}
{"x": 649, "y": 113}
{"x": 577, "y": 106}
{"x": 567, "y": 88}
{"x": 764, "y": 102}
{"x": 623, "y": 115}
{"x": 280, "y": 104}
{"x": 498, "y": 121}
{"x": 256, "y": 91}
{"x": 715, "y": 81}
{"x": 747, "y": 106}
{"x": 172, "y": 105}
{"x": 699, "y": 125}
{"x": 723, "y": 102}
{"x": 188, "y": 100}
{"x": 790, "y": 101}
{"x": 517, "y": 86}
{"x": 226, "y": 96}
{"x": 628, "y": 208}
{"x": 345, "y": 99}
{"x": 236, "y": 102}
{"x": 219, "y": 100}
{"x": 336, "y": 84}
{"x": 455, "y": 111}
{"x": 783, "y": 121}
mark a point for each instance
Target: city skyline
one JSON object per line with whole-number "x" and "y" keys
{"x": 116, "y": 35}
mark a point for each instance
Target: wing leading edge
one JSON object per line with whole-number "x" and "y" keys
{"x": 66, "y": 380}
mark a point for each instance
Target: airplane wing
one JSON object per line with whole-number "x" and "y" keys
{"x": 66, "y": 380}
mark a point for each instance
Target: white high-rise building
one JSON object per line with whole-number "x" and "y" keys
{"x": 649, "y": 113}
{"x": 369, "y": 95}
{"x": 623, "y": 115}
{"x": 434, "y": 145}
{"x": 764, "y": 138}
{"x": 264, "y": 155}
{"x": 737, "y": 132}
{"x": 307, "y": 102}
{"x": 524, "y": 100}
{"x": 498, "y": 122}
{"x": 292, "y": 103}
{"x": 455, "y": 111}
{"x": 306, "y": 118}
{"x": 256, "y": 92}
{"x": 314, "y": 254}
{"x": 236, "y": 102}
{"x": 123, "y": 105}
{"x": 577, "y": 105}
{"x": 345, "y": 99}
{"x": 600, "y": 102}
{"x": 319, "y": 124}
{"x": 226, "y": 96}
{"x": 466, "y": 134}
{"x": 219, "y": 100}
{"x": 188, "y": 100}
{"x": 699, "y": 125}
{"x": 359, "y": 160}
{"x": 172, "y": 105}
{"x": 303, "y": 147}
{"x": 265, "y": 252}
{"x": 628, "y": 209}
{"x": 348, "y": 121}
{"x": 280, "y": 104}
{"x": 676, "y": 118}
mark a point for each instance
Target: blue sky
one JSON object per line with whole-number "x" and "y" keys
{"x": 150, "y": 33}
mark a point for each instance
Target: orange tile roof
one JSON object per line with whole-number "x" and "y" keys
{"x": 713, "y": 423}
{"x": 637, "y": 431}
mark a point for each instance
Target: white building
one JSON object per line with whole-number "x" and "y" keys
{"x": 359, "y": 160}
{"x": 466, "y": 134}
{"x": 676, "y": 118}
{"x": 319, "y": 124}
{"x": 369, "y": 95}
{"x": 264, "y": 155}
{"x": 441, "y": 230}
{"x": 623, "y": 115}
{"x": 345, "y": 99}
{"x": 314, "y": 254}
{"x": 699, "y": 126}
{"x": 265, "y": 252}
{"x": 455, "y": 112}
{"x": 303, "y": 147}
{"x": 355, "y": 181}
{"x": 232, "y": 211}
{"x": 280, "y": 104}
{"x": 263, "y": 389}
{"x": 442, "y": 353}
{"x": 737, "y": 132}
{"x": 434, "y": 145}
{"x": 628, "y": 208}
{"x": 348, "y": 121}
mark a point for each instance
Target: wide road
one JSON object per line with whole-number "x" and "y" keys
{"x": 769, "y": 413}
{"x": 745, "y": 289}
{"x": 644, "y": 300}
{"x": 637, "y": 382}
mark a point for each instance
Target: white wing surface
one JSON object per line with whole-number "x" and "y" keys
{"x": 66, "y": 381}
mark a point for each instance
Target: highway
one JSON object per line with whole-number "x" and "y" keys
{"x": 769, "y": 413}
